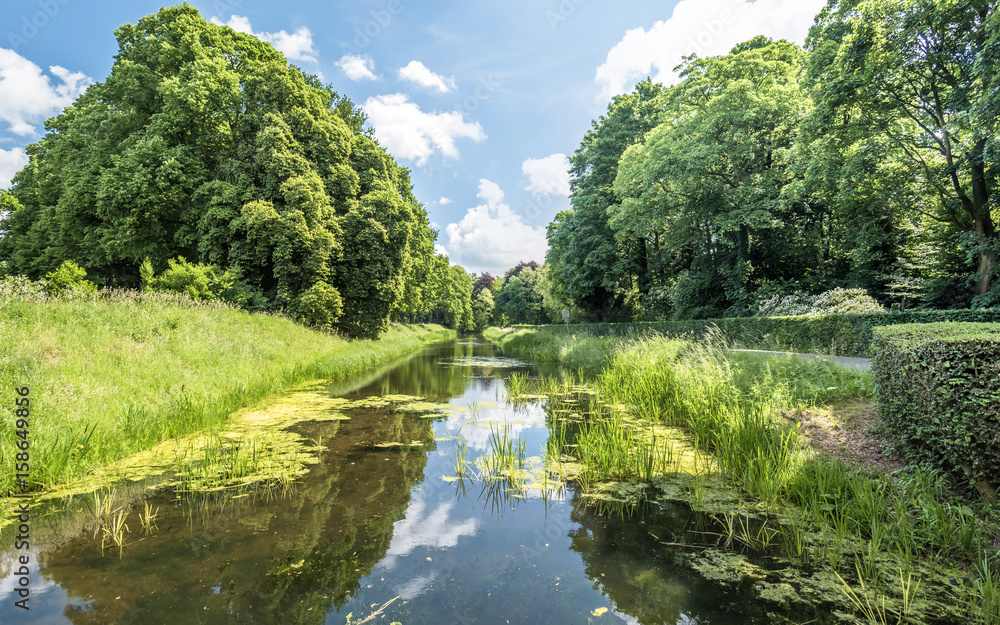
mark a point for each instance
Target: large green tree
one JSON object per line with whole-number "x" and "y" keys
{"x": 205, "y": 143}
{"x": 595, "y": 270}
{"x": 917, "y": 74}
{"x": 705, "y": 187}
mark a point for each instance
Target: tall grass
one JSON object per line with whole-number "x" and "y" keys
{"x": 731, "y": 404}
{"x": 117, "y": 374}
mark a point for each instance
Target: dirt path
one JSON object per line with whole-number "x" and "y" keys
{"x": 849, "y": 431}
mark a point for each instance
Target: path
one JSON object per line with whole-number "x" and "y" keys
{"x": 861, "y": 364}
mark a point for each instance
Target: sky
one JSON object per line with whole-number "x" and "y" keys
{"x": 483, "y": 101}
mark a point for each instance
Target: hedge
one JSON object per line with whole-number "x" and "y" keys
{"x": 937, "y": 387}
{"x": 838, "y": 334}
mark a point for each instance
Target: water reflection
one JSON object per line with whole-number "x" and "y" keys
{"x": 370, "y": 523}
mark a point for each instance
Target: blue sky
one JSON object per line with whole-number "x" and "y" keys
{"x": 482, "y": 101}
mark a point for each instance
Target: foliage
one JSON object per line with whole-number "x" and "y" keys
{"x": 938, "y": 390}
{"x": 205, "y": 143}
{"x": 197, "y": 280}
{"x": 865, "y": 161}
{"x": 837, "y": 301}
{"x": 595, "y": 269}
{"x": 321, "y": 305}
{"x": 68, "y": 276}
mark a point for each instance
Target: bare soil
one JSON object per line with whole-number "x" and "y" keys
{"x": 849, "y": 431}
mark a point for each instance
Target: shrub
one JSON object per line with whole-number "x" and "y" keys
{"x": 841, "y": 334}
{"x": 837, "y": 301}
{"x": 68, "y": 277}
{"x": 938, "y": 392}
{"x": 845, "y": 302}
{"x": 201, "y": 282}
{"x": 321, "y": 305}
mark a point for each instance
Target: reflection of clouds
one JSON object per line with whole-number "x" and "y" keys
{"x": 426, "y": 526}
{"x": 476, "y": 427}
{"x": 415, "y": 587}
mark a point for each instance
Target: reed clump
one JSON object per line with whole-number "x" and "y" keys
{"x": 883, "y": 531}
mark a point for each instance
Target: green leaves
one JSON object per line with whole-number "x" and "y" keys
{"x": 205, "y": 143}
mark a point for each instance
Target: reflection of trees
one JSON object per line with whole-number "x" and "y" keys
{"x": 422, "y": 376}
{"x": 644, "y": 578}
{"x": 285, "y": 560}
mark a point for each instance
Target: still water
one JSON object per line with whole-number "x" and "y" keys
{"x": 377, "y": 519}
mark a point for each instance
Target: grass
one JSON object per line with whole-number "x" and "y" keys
{"x": 110, "y": 377}
{"x": 731, "y": 404}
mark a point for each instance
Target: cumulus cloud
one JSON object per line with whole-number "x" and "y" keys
{"x": 29, "y": 97}
{"x": 410, "y": 133}
{"x": 444, "y": 201}
{"x": 418, "y": 73}
{"x": 549, "y": 175}
{"x": 358, "y": 67}
{"x": 11, "y": 162}
{"x": 297, "y": 46}
{"x": 702, "y": 27}
{"x": 492, "y": 237}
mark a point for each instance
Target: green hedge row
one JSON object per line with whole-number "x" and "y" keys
{"x": 839, "y": 334}
{"x": 938, "y": 392}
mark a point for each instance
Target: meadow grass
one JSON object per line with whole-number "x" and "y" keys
{"x": 115, "y": 375}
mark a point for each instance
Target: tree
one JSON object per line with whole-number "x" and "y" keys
{"x": 705, "y": 186}
{"x": 205, "y": 143}
{"x": 913, "y": 70}
{"x": 595, "y": 270}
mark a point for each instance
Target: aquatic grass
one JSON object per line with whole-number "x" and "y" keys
{"x": 113, "y": 530}
{"x": 147, "y": 518}
{"x": 117, "y": 375}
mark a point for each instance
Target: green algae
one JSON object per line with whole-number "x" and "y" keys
{"x": 254, "y": 447}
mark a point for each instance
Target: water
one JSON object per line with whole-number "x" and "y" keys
{"x": 369, "y": 524}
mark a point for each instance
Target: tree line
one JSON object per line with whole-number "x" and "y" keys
{"x": 866, "y": 159}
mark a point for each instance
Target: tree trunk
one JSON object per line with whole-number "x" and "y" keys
{"x": 981, "y": 218}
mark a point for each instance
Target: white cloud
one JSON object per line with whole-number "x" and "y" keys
{"x": 492, "y": 237}
{"x": 358, "y": 67}
{"x": 417, "y": 72}
{"x": 409, "y": 133}
{"x": 549, "y": 175}
{"x": 297, "y": 46}
{"x": 703, "y": 27}
{"x": 29, "y": 97}
{"x": 11, "y": 162}
{"x": 444, "y": 201}
{"x": 440, "y": 249}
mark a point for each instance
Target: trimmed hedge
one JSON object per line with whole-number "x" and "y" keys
{"x": 841, "y": 334}
{"x": 938, "y": 392}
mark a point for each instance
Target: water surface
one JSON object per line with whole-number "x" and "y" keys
{"x": 376, "y": 519}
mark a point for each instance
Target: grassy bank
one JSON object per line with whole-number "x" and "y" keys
{"x": 885, "y": 534}
{"x": 112, "y": 376}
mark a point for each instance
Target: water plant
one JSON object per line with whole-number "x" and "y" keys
{"x": 147, "y": 517}
{"x": 114, "y": 529}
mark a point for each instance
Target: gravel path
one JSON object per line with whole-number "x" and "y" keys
{"x": 861, "y": 364}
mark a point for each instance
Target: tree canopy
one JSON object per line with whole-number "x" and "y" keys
{"x": 866, "y": 160}
{"x": 205, "y": 143}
